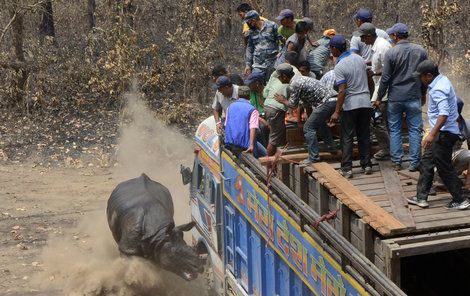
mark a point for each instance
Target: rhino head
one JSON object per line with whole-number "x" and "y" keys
{"x": 176, "y": 256}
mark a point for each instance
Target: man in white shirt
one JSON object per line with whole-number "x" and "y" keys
{"x": 356, "y": 45}
{"x": 379, "y": 46}
{"x": 226, "y": 94}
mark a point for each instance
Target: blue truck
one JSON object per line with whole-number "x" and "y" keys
{"x": 259, "y": 238}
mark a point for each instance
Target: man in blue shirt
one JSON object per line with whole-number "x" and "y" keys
{"x": 438, "y": 144}
{"x": 405, "y": 95}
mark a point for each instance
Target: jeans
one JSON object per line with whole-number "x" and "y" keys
{"x": 414, "y": 120}
{"x": 380, "y": 129}
{"x": 439, "y": 156}
{"x": 355, "y": 120}
{"x": 316, "y": 122}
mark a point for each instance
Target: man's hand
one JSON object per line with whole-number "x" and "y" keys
{"x": 333, "y": 119}
{"x": 219, "y": 128}
{"x": 376, "y": 104}
{"x": 279, "y": 98}
{"x": 250, "y": 149}
{"x": 427, "y": 141}
{"x": 247, "y": 71}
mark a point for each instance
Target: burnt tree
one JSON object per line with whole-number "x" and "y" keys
{"x": 91, "y": 14}
{"x": 46, "y": 28}
{"x": 18, "y": 84}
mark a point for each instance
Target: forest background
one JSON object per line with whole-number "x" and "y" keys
{"x": 66, "y": 64}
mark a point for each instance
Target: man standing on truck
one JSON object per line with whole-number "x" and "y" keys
{"x": 405, "y": 95}
{"x": 263, "y": 45}
{"x": 323, "y": 101}
{"x": 226, "y": 94}
{"x": 438, "y": 144}
{"x": 379, "y": 46}
{"x": 275, "y": 112}
{"x": 355, "y": 86}
{"x": 241, "y": 124}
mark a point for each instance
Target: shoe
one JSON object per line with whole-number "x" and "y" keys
{"x": 413, "y": 168}
{"x": 432, "y": 191}
{"x": 418, "y": 202}
{"x": 453, "y": 205}
{"x": 307, "y": 162}
{"x": 346, "y": 174}
{"x": 397, "y": 166}
{"x": 382, "y": 154}
{"x": 367, "y": 170}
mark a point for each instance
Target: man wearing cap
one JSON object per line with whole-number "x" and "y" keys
{"x": 242, "y": 9}
{"x": 241, "y": 125}
{"x": 368, "y": 34}
{"x": 275, "y": 112}
{"x": 287, "y": 27}
{"x": 263, "y": 44}
{"x": 319, "y": 55}
{"x": 323, "y": 101}
{"x": 438, "y": 144}
{"x": 405, "y": 95}
{"x": 357, "y": 46}
{"x": 355, "y": 86}
{"x": 255, "y": 82}
{"x": 226, "y": 94}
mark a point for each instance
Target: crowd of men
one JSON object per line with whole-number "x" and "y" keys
{"x": 375, "y": 83}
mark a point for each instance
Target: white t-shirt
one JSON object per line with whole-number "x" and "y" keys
{"x": 221, "y": 102}
{"x": 363, "y": 49}
{"x": 379, "y": 48}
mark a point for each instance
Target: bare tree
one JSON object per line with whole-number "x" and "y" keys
{"x": 46, "y": 27}
{"x": 91, "y": 14}
{"x": 18, "y": 84}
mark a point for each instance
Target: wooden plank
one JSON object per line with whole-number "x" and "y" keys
{"x": 324, "y": 200}
{"x": 431, "y": 246}
{"x": 304, "y": 185}
{"x": 395, "y": 194}
{"x": 364, "y": 187}
{"x": 409, "y": 175}
{"x": 285, "y": 174}
{"x": 369, "y": 180}
{"x": 386, "y": 223}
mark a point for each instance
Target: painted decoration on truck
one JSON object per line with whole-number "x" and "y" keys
{"x": 316, "y": 268}
{"x": 207, "y": 137}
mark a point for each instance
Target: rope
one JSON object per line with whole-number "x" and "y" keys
{"x": 327, "y": 217}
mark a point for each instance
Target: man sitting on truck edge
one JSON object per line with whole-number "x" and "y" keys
{"x": 438, "y": 144}
{"x": 241, "y": 124}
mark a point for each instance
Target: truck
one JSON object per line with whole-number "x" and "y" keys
{"x": 273, "y": 227}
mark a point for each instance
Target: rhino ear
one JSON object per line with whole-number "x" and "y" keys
{"x": 186, "y": 227}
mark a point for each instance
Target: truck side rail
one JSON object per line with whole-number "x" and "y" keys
{"x": 364, "y": 271}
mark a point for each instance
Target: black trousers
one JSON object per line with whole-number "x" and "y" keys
{"x": 439, "y": 156}
{"x": 357, "y": 120}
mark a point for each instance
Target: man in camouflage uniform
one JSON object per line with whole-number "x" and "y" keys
{"x": 263, "y": 45}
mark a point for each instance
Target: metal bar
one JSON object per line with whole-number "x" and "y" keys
{"x": 337, "y": 241}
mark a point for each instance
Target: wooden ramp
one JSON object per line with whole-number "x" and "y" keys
{"x": 381, "y": 220}
{"x": 380, "y": 199}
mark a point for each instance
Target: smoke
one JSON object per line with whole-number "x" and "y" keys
{"x": 87, "y": 261}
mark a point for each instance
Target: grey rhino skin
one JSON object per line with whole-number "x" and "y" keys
{"x": 140, "y": 215}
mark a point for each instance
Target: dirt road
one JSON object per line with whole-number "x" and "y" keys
{"x": 54, "y": 235}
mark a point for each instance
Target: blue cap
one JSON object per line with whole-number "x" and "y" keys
{"x": 223, "y": 81}
{"x": 398, "y": 29}
{"x": 338, "y": 41}
{"x": 364, "y": 15}
{"x": 253, "y": 77}
{"x": 251, "y": 15}
{"x": 285, "y": 13}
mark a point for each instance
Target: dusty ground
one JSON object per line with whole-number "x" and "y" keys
{"x": 54, "y": 236}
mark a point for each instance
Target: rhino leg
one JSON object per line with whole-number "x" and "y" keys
{"x": 131, "y": 235}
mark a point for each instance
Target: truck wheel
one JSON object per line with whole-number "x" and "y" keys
{"x": 209, "y": 277}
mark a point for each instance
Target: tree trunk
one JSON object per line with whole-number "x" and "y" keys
{"x": 47, "y": 24}
{"x": 305, "y": 8}
{"x": 19, "y": 82}
{"x": 91, "y": 14}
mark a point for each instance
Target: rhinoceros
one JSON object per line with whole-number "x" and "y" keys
{"x": 140, "y": 216}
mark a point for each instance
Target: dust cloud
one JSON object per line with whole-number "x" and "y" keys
{"x": 87, "y": 261}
